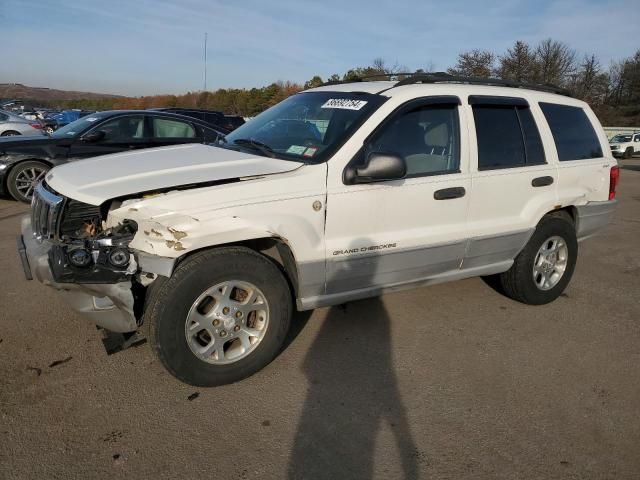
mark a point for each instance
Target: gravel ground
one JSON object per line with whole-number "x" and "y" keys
{"x": 450, "y": 381}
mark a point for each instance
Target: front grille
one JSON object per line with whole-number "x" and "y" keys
{"x": 46, "y": 208}
{"x": 76, "y": 217}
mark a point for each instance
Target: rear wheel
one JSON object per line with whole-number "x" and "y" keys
{"x": 222, "y": 316}
{"x": 24, "y": 177}
{"x": 543, "y": 269}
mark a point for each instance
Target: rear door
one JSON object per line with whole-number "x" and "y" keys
{"x": 513, "y": 181}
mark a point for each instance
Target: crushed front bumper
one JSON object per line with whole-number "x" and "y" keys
{"x": 109, "y": 306}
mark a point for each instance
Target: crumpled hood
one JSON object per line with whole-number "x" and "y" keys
{"x": 98, "y": 179}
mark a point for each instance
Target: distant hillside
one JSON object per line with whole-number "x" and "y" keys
{"x": 24, "y": 92}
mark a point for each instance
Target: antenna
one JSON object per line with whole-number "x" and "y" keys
{"x": 205, "y": 61}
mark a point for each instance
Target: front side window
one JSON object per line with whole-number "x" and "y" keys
{"x": 637, "y": 138}
{"x": 167, "y": 128}
{"x": 572, "y": 132}
{"x": 427, "y": 137}
{"x": 123, "y": 129}
{"x": 79, "y": 126}
{"x": 308, "y": 126}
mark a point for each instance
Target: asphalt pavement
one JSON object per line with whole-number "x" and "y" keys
{"x": 450, "y": 381}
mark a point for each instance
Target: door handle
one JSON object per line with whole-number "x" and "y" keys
{"x": 541, "y": 181}
{"x": 449, "y": 193}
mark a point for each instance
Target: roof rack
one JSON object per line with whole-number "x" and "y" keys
{"x": 368, "y": 78}
{"x": 442, "y": 77}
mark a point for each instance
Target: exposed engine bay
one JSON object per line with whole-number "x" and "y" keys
{"x": 86, "y": 251}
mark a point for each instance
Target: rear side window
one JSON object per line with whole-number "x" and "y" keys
{"x": 3, "y": 117}
{"x": 165, "y": 128}
{"x": 572, "y": 131}
{"x": 507, "y": 137}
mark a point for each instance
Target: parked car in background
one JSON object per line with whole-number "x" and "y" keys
{"x": 233, "y": 121}
{"x": 24, "y": 161}
{"x": 56, "y": 120}
{"x": 12, "y": 125}
{"x": 625, "y": 145}
{"x": 212, "y": 117}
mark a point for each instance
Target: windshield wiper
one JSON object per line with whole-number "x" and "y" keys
{"x": 256, "y": 145}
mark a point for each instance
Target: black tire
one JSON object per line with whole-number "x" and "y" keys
{"x": 628, "y": 153}
{"x": 17, "y": 172}
{"x": 10, "y": 133}
{"x": 170, "y": 302}
{"x": 518, "y": 283}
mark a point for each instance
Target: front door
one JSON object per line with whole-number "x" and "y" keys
{"x": 401, "y": 231}
{"x": 122, "y": 133}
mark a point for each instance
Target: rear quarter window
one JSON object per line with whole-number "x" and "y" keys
{"x": 572, "y": 131}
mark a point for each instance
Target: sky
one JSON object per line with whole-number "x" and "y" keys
{"x": 146, "y": 47}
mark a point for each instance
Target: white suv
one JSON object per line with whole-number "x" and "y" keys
{"x": 625, "y": 145}
{"x": 338, "y": 193}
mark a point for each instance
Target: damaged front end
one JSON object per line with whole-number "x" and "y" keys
{"x": 67, "y": 245}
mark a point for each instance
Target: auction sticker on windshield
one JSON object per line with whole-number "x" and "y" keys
{"x": 296, "y": 149}
{"x": 344, "y": 103}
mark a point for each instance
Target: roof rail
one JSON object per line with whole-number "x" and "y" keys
{"x": 442, "y": 77}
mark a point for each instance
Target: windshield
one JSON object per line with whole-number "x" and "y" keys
{"x": 620, "y": 139}
{"x": 77, "y": 127}
{"x": 307, "y": 127}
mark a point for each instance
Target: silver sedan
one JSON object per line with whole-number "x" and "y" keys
{"x": 12, "y": 124}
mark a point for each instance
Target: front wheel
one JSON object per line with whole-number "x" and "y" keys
{"x": 24, "y": 177}
{"x": 222, "y": 316}
{"x": 543, "y": 269}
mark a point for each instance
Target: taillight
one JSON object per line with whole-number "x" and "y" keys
{"x": 36, "y": 125}
{"x": 614, "y": 178}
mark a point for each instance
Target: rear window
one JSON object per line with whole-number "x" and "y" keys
{"x": 572, "y": 131}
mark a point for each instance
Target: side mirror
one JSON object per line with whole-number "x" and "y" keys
{"x": 94, "y": 136}
{"x": 378, "y": 167}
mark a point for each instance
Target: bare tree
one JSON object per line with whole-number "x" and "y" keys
{"x": 518, "y": 64}
{"x": 624, "y": 81}
{"x": 590, "y": 83}
{"x": 556, "y": 62}
{"x": 474, "y": 63}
